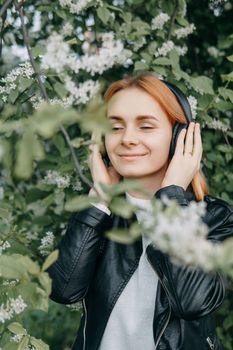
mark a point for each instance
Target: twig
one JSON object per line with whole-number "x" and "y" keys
{"x": 5, "y": 7}
{"x": 173, "y": 19}
{"x": 45, "y": 96}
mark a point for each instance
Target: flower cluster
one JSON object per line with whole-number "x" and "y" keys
{"x": 215, "y": 52}
{"x": 217, "y": 125}
{"x": 159, "y": 21}
{"x": 46, "y": 243}
{"x": 4, "y": 246}
{"x": 193, "y": 104}
{"x": 82, "y": 93}
{"x": 59, "y": 56}
{"x": 12, "y": 307}
{"x": 75, "y": 306}
{"x": 53, "y": 177}
{"x": 24, "y": 70}
{"x": 181, "y": 232}
{"x": 76, "y": 7}
{"x": 184, "y": 32}
{"x": 164, "y": 49}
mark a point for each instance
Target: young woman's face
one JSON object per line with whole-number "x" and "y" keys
{"x": 140, "y": 126}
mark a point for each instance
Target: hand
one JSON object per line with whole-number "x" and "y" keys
{"x": 99, "y": 171}
{"x": 186, "y": 160}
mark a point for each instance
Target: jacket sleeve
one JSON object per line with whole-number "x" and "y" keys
{"x": 192, "y": 292}
{"x": 79, "y": 249}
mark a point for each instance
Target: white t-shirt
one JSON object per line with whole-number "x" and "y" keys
{"x": 130, "y": 325}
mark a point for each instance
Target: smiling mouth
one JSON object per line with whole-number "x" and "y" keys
{"x": 133, "y": 157}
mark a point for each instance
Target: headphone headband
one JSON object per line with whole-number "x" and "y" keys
{"x": 182, "y": 99}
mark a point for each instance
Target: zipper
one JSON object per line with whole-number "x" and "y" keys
{"x": 209, "y": 341}
{"x": 169, "y": 314}
{"x": 85, "y": 323}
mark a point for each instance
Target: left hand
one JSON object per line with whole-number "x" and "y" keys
{"x": 186, "y": 160}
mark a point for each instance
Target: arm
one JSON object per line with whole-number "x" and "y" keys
{"x": 72, "y": 272}
{"x": 192, "y": 292}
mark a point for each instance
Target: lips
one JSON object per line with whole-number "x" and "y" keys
{"x": 132, "y": 155}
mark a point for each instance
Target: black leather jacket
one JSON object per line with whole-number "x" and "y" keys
{"x": 93, "y": 269}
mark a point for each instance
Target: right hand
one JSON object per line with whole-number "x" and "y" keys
{"x": 99, "y": 171}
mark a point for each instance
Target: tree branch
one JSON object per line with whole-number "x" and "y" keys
{"x": 173, "y": 19}
{"x": 4, "y": 7}
{"x": 45, "y": 96}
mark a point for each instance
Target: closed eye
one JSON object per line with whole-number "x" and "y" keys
{"x": 142, "y": 127}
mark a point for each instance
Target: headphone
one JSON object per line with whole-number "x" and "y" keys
{"x": 185, "y": 105}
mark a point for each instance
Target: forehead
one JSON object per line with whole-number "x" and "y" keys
{"x": 133, "y": 101}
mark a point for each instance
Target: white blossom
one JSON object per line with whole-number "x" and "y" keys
{"x": 23, "y": 70}
{"x": 77, "y": 186}
{"x": 181, "y": 233}
{"x": 181, "y": 50}
{"x": 16, "y": 338}
{"x": 82, "y": 93}
{"x": 217, "y": 125}
{"x": 159, "y": 21}
{"x": 46, "y": 243}
{"x": 75, "y": 306}
{"x": 164, "y": 49}
{"x": 67, "y": 29}
{"x": 57, "y": 53}
{"x": 53, "y": 177}
{"x": 193, "y": 104}
{"x": 75, "y": 6}
{"x": 214, "y": 52}
{"x": 11, "y": 307}
{"x": 59, "y": 56}
{"x": 184, "y": 32}
{"x": 4, "y": 246}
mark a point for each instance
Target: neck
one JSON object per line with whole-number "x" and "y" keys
{"x": 150, "y": 184}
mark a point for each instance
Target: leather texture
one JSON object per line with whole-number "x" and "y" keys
{"x": 93, "y": 269}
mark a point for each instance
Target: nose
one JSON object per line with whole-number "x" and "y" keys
{"x": 129, "y": 137}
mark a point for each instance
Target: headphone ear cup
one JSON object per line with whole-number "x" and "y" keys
{"x": 175, "y": 133}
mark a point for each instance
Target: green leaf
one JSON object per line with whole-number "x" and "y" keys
{"x": 120, "y": 236}
{"x": 122, "y": 207}
{"x": 13, "y": 96}
{"x": 45, "y": 282}
{"x": 38, "y": 344}
{"x": 202, "y": 83}
{"x": 78, "y": 203}
{"x": 104, "y": 14}
{"x": 24, "y": 158}
{"x": 227, "y": 77}
{"x": 230, "y": 58}
{"x": 226, "y": 93}
{"x": 139, "y": 65}
{"x": 11, "y": 266}
{"x": 17, "y": 328}
{"x": 24, "y": 343}
{"x": 162, "y": 61}
{"x": 50, "y": 259}
{"x": 60, "y": 90}
{"x": 24, "y": 83}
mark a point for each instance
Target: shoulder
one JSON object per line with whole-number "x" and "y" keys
{"x": 219, "y": 217}
{"x": 217, "y": 205}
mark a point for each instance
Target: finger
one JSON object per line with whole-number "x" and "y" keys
{"x": 197, "y": 151}
{"x": 188, "y": 146}
{"x": 180, "y": 142}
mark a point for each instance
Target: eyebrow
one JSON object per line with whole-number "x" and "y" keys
{"x": 138, "y": 117}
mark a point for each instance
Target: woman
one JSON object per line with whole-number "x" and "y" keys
{"x": 133, "y": 296}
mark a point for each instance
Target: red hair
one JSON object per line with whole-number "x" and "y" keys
{"x": 165, "y": 97}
